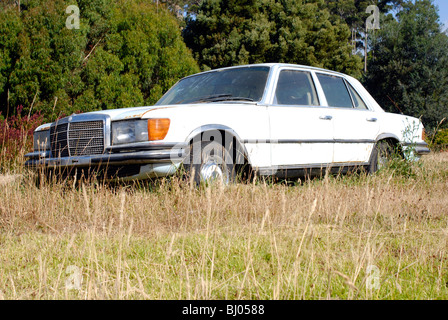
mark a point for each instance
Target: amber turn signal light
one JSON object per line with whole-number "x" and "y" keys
{"x": 158, "y": 129}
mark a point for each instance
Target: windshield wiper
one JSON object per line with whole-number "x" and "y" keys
{"x": 233, "y": 99}
{"x": 222, "y": 97}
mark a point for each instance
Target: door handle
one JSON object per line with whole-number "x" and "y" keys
{"x": 325, "y": 117}
{"x": 372, "y": 119}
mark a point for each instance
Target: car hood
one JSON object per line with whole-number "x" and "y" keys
{"x": 127, "y": 113}
{"x": 114, "y": 114}
{"x": 139, "y": 112}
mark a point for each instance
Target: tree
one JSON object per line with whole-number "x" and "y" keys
{"x": 182, "y": 8}
{"x": 125, "y": 54}
{"x": 408, "y": 72}
{"x": 353, "y": 13}
{"x": 225, "y": 33}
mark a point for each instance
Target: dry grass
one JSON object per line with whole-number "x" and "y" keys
{"x": 6, "y": 179}
{"x": 351, "y": 237}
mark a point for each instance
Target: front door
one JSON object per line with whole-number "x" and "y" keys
{"x": 301, "y": 130}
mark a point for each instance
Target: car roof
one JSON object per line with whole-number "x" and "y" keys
{"x": 275, "y": 65}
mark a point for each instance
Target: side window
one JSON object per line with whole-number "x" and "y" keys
{"x": 296, "y": 88}
{"x": 359, "y": 103}
{"x": 335, "y": 91}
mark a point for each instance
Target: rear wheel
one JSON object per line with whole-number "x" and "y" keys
{"x": 381, "y": 156}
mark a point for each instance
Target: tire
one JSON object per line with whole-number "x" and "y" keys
{"x": 209, "y": 163}
{"x": 381, "y": 155}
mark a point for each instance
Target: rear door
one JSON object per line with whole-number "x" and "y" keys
{"x": 355, "y": 126}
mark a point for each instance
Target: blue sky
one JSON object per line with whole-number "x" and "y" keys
{"x": 443, "y": 11}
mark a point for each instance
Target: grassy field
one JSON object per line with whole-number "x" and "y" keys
{"x": 351, "y": 237}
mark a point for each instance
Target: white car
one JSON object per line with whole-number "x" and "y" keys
{"x": 274, "y": 119}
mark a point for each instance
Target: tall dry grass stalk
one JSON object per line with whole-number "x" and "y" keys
{"x": 350, "y": 237}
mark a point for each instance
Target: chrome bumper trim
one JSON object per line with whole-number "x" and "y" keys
{"x": 142, "y": 157}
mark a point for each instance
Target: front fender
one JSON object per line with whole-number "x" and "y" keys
{"x": 230, "y": 140}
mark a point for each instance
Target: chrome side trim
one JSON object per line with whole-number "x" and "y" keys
{"x": 308, "y": 141}
{"x": 318, "y": 166}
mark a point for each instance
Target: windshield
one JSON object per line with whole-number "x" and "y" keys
{"x": 236, "y": 84}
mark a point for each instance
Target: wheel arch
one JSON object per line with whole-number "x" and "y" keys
{"x": 229, "y": 137}
{"x": 393, "y": 141}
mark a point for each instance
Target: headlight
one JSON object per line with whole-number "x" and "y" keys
{"x": 130, "y": 131}
{"x": 41, "y": 140}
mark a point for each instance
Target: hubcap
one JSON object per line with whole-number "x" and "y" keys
{"x": 383, "y": 157}
{"x": 212, "y": 172}
{"x": 382, "y": 161}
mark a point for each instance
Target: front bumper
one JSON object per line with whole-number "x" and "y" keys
{"x": 419, "y": 149}
{"x": 422, "y": 150}
{"x": 133, "y": 163}
{"x": 414, "y": 151}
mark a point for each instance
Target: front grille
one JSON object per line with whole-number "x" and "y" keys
{"x": 59, "y": 141}
{"x": 86, "y": 138}
{"x": 77, "y": 138}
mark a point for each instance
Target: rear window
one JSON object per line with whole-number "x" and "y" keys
{"x": 335, "y": 91}
{"x": 359, "y": 103}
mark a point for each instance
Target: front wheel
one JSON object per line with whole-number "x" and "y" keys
{"x": 210, "y": 163}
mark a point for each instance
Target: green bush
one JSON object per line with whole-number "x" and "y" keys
{"x": 440, "y": 139}
{"x": 125, "y": 54}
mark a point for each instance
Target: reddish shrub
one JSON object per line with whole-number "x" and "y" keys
{"x": 16, "y": 136}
